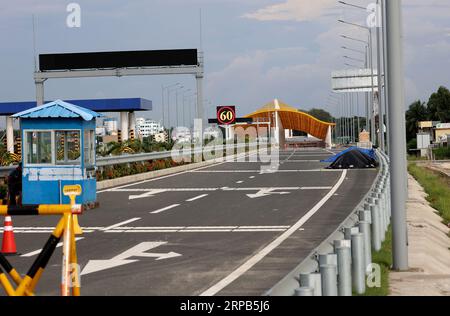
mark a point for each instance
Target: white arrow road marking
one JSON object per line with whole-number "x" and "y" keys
{"x": 150, "y": 193}
{"x": 123, "y": 259}
{"x": 36, "y": 252}
{"x": 265, "y": 192}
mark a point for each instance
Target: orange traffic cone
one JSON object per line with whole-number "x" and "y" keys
{"x": 9, "y": 243}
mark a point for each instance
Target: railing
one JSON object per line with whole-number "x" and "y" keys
{"x": 124, "y": 159}
{"x": 341, "y": 263}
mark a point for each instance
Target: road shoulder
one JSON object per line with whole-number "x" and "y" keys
{"x": 429, "y": 250}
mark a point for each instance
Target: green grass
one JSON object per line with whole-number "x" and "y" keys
{"x": 384, "y": 259}
{"x": 437, "y": 187}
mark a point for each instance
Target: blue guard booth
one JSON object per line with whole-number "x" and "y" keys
{"x": 58, "y": 150}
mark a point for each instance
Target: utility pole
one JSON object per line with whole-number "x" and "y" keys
{"x": 397, "y": 141}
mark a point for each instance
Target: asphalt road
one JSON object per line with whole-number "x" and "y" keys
{"x": 223, "y": 230}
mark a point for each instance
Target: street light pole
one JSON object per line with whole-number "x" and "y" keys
{"x": 397, "y": 141}
{"x": 372, "y": 129}
{"x": 380, "y": 84}
{"x": 386, "y": 89}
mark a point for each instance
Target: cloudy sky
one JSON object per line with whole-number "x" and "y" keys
{"x": 255, "y": 50}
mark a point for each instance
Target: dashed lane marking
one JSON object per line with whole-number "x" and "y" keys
{"x": 197, "y": 198}
{"x": 165, "y": 209}
{"x": 121, "y": 224}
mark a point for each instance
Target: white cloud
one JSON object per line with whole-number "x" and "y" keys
{"x": 294, "y": 10}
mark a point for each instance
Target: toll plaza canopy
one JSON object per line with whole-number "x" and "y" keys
{"x": 293, "y": 119}
{"x": 96, "y": 105}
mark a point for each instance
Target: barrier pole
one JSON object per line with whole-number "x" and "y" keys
{"x": 66, "y": 278}
{"x": 57, "y": 232}
{"x": 6, "y": 284}
{"x": 74, "y": 261}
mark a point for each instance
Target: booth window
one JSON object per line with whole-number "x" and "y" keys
{"x": 89, "y": 145}
{"x": 38, "y": 147}
{"x": 68, "y": 147}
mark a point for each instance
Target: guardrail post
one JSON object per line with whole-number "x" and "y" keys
{"x": 364, "y": 228}
{"x": 313, "y": 281}
{"x": 328, "y": 259}
{"x": 376, "y": 240}
{"x": 329, "y": 280}
{"x": 358, "y": 271}
{"x": 365, "y": 215}
{"x": 348, "y": 232}
{"x": 344, "y": 267}
{"x": 304, "y": 291}
{"x": 382, "y": 226}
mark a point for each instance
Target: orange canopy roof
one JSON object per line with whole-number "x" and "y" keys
{"x": 293, "y": 119}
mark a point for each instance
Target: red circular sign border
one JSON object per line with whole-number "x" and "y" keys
{"x": 226, "y": 108}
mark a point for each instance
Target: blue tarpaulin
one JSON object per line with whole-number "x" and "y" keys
{"x": 367, "y": 152}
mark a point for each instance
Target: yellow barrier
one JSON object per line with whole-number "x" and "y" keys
{"x": 66, "y": 229}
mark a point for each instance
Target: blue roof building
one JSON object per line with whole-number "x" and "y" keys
{"x": 58, "y": 150}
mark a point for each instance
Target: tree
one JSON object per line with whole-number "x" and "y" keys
{"x": 321, "y": 115}
{"x": 417, "y": 112}
{"x": 439, "y": 105}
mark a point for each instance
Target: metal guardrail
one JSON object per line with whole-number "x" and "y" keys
{"x": 123, "y": 159}
{"x": 341, "y": 263}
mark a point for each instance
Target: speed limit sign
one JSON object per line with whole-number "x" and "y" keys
{"x": 226, "y": 115}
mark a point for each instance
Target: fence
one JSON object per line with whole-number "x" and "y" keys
{"x": 341, "y": 264}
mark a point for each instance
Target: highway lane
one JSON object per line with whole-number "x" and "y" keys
{"x": 213, "y": 221}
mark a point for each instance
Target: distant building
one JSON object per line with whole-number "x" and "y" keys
{"x": 442, "y": 132}
{"x": 148, "y": 127}
{"x": 110, "y": 125}
{"x": 100, "y": 131}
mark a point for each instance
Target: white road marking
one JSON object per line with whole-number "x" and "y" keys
{"x": 146, "y": 195}
{"x": 274, "y": 244}
{"x": 160, "y": 178}
{"x": 122, "y": 259}
{"x": 200, "y": 229}
{"x": 263, "y": 193}
{"x": 271, "y": 172}
{"x": 239, "y": 182}
{"x": 173, "y": 229}
{"x": 197, "y": 198}
{"x": 172, "y": 175}
{"x": 252, "y": 177}
{"x": 120, "y": 224}
{"x": 165, "y": 209}
{"x": 36, "y": 252}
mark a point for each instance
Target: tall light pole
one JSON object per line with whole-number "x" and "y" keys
{"x": 169, "y": 91}
{"x": 380, "y": 84}
{"x": 366, "y": 64}
{"x": 379, "y": 25}
{"x": 397, "y": 140}
{"x": 372, "y": 98}
{"x": 163, "y": 88}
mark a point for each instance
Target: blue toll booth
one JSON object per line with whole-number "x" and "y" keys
{"x": 58, "y": 149}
